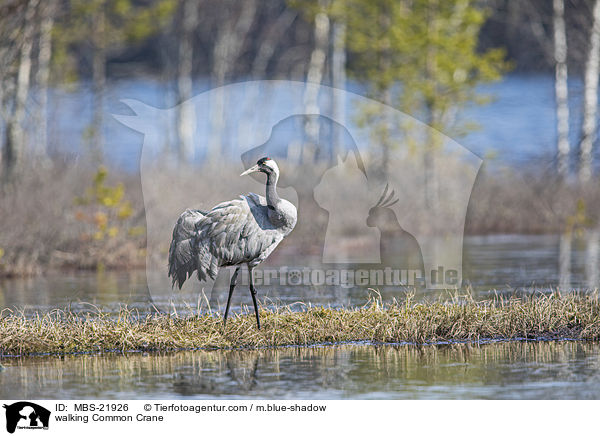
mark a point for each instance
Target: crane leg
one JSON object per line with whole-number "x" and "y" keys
{"x": 231, "y": 286}
{"x": 253, "y": 293}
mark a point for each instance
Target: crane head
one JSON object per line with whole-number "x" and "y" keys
{"x": 265, "y": 165}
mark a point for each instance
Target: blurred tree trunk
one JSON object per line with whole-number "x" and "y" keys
{"x": 590, "y": 98}
{"x": 168, "y": 74}
{"x": 186, "y": 114}
{"x": 431, "y": 113}
{"x": 98, "y": 80}
{"x": 269, "y": 43}
{"x": 15, "y": 137}
{"x": 338, "y": 81}
{"x": 45, "y": 23}
{"x": 431, "y": 150}
{"x": 316, "y": 70}
{"x": 229, "y": 43}
{"x": 561, "y": 88}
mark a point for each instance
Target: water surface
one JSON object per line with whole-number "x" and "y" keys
{"x": 494, "y": 264}
{"x": 501, "y": 264}
{"x": 510, "y": 370}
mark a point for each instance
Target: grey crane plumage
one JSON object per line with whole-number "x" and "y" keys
{"x": 241, "y": 231}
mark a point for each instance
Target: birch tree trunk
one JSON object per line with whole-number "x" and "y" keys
{"x": 228, "y": 46}
{"x": 186, "y": 113}
{"x": 385, "y": 66}
{"x": 270, "y": 42}
{"x": 15, "y": 138}
{"x": 338, "y": 81}
{"x": 432, "y": 115}
{"x": 561, "y": 88}
{"x": 46, "y": 23}
{"x": 316, "y": 70}
{"x": 265, "y": 53}
{"x": 98, "y": 82}
{"x": 169, "y": 57}
{"x": 590, "y": 98}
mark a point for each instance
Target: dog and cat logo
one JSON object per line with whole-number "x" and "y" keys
{"x": 26, "y": 415}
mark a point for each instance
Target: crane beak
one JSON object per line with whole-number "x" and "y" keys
{"x": 250, "y": 170}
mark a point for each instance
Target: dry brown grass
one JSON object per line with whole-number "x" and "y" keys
{"x": 39, "y": 229}
{"x": 527, "y": 200}
{"x": 546, "y": 316}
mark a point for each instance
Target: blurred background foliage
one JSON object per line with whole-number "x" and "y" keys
{"x": 427, "y": 58}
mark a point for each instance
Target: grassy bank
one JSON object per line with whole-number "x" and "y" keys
{"x": 99, "y": 220}
{"x": 549, "y": 316}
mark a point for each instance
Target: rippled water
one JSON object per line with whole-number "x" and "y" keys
{"x": 542, "y": 370}
{"x": 492, "y": 264}
{"x": 499, "y": 370}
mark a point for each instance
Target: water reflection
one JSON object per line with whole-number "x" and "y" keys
{"x": 503, "y": 370}
{"x": 79, "y": 290}
{"x": 500, "y": 262}
{"x": 591, "y": 256}
{"x": 564, "y": 260}
{"x": 582, "y": 260}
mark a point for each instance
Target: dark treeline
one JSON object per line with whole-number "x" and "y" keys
{"x": 226, "y": 39}
{"x": 522, "y": 27}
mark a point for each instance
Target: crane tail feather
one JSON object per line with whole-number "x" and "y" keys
{"x": 182, "y": 252}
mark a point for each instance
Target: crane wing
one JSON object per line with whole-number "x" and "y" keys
{"x": 182, "y": 256}
{"x": 232, "y": 233}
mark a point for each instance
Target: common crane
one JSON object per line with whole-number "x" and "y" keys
{"x": 241, "y": 231}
